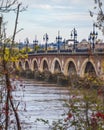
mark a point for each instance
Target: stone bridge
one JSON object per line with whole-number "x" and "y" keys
{"x": 67, "y": 63}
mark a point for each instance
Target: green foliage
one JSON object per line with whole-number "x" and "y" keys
{"x": 83, "y": 106}
{"x": 87, "y": 82}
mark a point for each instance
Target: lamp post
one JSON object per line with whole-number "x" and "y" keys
{"x": 74, "y": 37}
{"x": 27, "y": 44}
{"x": 58, "y": 40}
{"x": 64, "y": 41}
{"x": 45, "y": 38}
{"x": 92, "y": 37}
{"x": 0, "y": 25}
{"x": 35, "y": 42}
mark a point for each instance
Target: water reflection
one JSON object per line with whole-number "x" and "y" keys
{"x": 40, "y": 101}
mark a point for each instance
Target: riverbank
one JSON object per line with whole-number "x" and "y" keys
{"x": 36, "y": 82}
{"x": 57, "y": 78}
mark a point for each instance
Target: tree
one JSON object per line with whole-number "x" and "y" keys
{"x": 7, "y": 56}
{"x": 7, "y": 5}
{"x": 99, "y": 14}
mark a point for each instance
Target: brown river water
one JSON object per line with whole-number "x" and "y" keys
{"x": 39, "y": 101}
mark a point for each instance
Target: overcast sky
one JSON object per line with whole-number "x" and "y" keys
{"x": 51, "y": 16}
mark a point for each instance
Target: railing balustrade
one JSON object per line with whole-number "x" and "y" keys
{"x": 78, "y": 50}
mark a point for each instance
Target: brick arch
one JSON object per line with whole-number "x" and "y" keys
{"x": 53, "y": 65}
{"x": 26, "y": 64}
{"x": 33, "y": 67}
{"x": 82, "y": 69}
{"x": 67, "y": 64}
{"x": 20, "y": 65}
{"x": 42, "y": 64}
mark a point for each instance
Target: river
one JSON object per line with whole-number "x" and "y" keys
{"x": 39, "y": 101}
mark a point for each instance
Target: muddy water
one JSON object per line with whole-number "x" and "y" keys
{"x": 38, "y": 100}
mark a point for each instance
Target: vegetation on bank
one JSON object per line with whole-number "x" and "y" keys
{"x": 86, "y": 111}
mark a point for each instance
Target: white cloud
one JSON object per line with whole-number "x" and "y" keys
{"x": 41, "y": 6}
{"x": 65, "y": 19}
{"x": 50, "y": 7}
{"x": 72, "y": 16}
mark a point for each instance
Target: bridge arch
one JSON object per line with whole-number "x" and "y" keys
{"x": 26, "y": 65}
{"x": 70, "y": 67}
{"x": 20, "y": 65}
{"x": 56, "y": 66}
{"x": 88, "y": 66}
{"x": 34, "y": 64}
{"x": 44, "y": 64}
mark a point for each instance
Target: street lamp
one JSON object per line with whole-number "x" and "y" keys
{"x": 45, "y": 38}
{"x": 64, "y": 41}
{"x": 58, "y": 40}
{"x": 92, "y": 37}
{"x": 74, "y": 37}
{"x": 27, "y": 44}
{"x": 35, "y": 42}
{"x": 0, "y": 25}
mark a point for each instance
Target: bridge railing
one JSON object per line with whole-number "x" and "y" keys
{"x": 99, "y": 50}
{"x": 82, "y": 50}
{"x": 68, "y": 51}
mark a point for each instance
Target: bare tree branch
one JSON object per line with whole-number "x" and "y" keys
{"x": 7, "y": 5}
{"x": 99, "y": 13}
{"x": 16, "y": 22}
